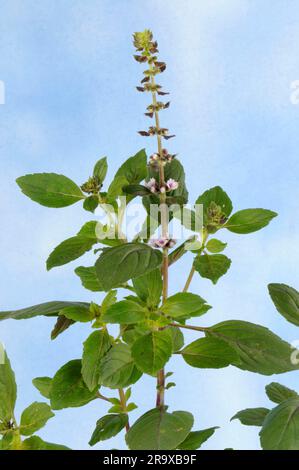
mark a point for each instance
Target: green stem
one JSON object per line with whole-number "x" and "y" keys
{"x": 123, "y": 403}
{"x": 190, "y": 327}
{"x": 164, "y": 224}
{"x": 189, "y": 279}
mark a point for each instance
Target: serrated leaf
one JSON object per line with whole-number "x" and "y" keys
{"x": 89, "y": 278}
{"x": 152, "y": 351}
{"x": 249, "y": 220}
{"x": 286, "y": 301}
{"x": 184, "y": 305}
{"x": 252, "y": 416}
{"x": 119, "y": 264}
{"x": 34, "y": 417}
{"x": 148, "y": 287}
{"x": 43, "y": 385}
{"x": 195, "y": 439}
{"x": 215, "y": 246}
{"x": 212, "y": 266}
{"x": 259, "y": 350}
{"x": 117, "y": 368}
{"x": 107, "y": 427}
{"x": 159, "y": 430}
{"x": 123, "y": 312}
{"x": 95, "y": 348}
{"x": 50, "y": 189}
{"x": 279, "y": 393}
{"x": 8, "y": 390}
{"x": 280, "y": 429}
{"x": 68, "y": 388}
{"x": 210, "y": 353}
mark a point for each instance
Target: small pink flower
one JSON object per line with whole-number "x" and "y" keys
{"x": 171, "y": 184}
{"x": 163, "y": 242}
{"x": 159, "y": 242}
{"x": 151, "y": 185}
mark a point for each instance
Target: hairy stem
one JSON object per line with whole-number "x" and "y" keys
{"x": 164, "y": 224}
{"x": 123, "y": 403}
{"x": 190, "y": 327}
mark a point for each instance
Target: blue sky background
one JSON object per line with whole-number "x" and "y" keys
{"x": 70, "y": 98}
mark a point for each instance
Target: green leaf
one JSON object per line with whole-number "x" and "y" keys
{"x": 50, "y": 189}
{"x": 212, "y": 266}
{"x": 149, "y": 287}
{"x": 36, "y": 443}
{"x": 280, "y": 430}
{"x": 252, "y": 416}
{"x": 116, "y": 188}
{"x": 68, "y": 388}
{"x": 34, "y": 418}
{"x": 100, "y": 169}
{"x": 159, "y": 430}
{"x": 43, "y": 385}
{"x": 177, "y": 338}
{"x": 279, "y": 393}
{"x": 134, "y": 169}
{"x": 215, "y": 246}
{"x": 132, "y": 333}
{"x": 136, "y": 190}
{"x": 8, "y": 391}
{"x": 210, "y": 353}
{"x": 119, "y": 264}
{"x": 125, "y": 311}
{"x": 286, "y": 301}
{"x": 117, "y": 368}
{"x": 89, "y": 278}
{"x": 95, "y": 348}
{"x": 152, "y": 351}
{"x": 249, "y": 220}
{"x": 109, "y": 300}
{"x": 107, "y": 427}
{"x": 78, "y": 313}
{"x": 259, "y": 350}
{"x": 91, "y": 203}
{"x": 195, "y": 439}
{"x": 60, "y": 326}
{"x": 184, "y": 305}
{"x": 73, "y": 247}
{"x": 215, "y": 196}
{"x": 46, "y": 309}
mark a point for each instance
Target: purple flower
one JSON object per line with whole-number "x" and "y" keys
{"x": 171, "y": 184}
{"x": 152, "y": 185}
{"x": 163, "y": 242}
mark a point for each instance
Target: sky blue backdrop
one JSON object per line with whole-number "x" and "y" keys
{"x": 70, "y": 98}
